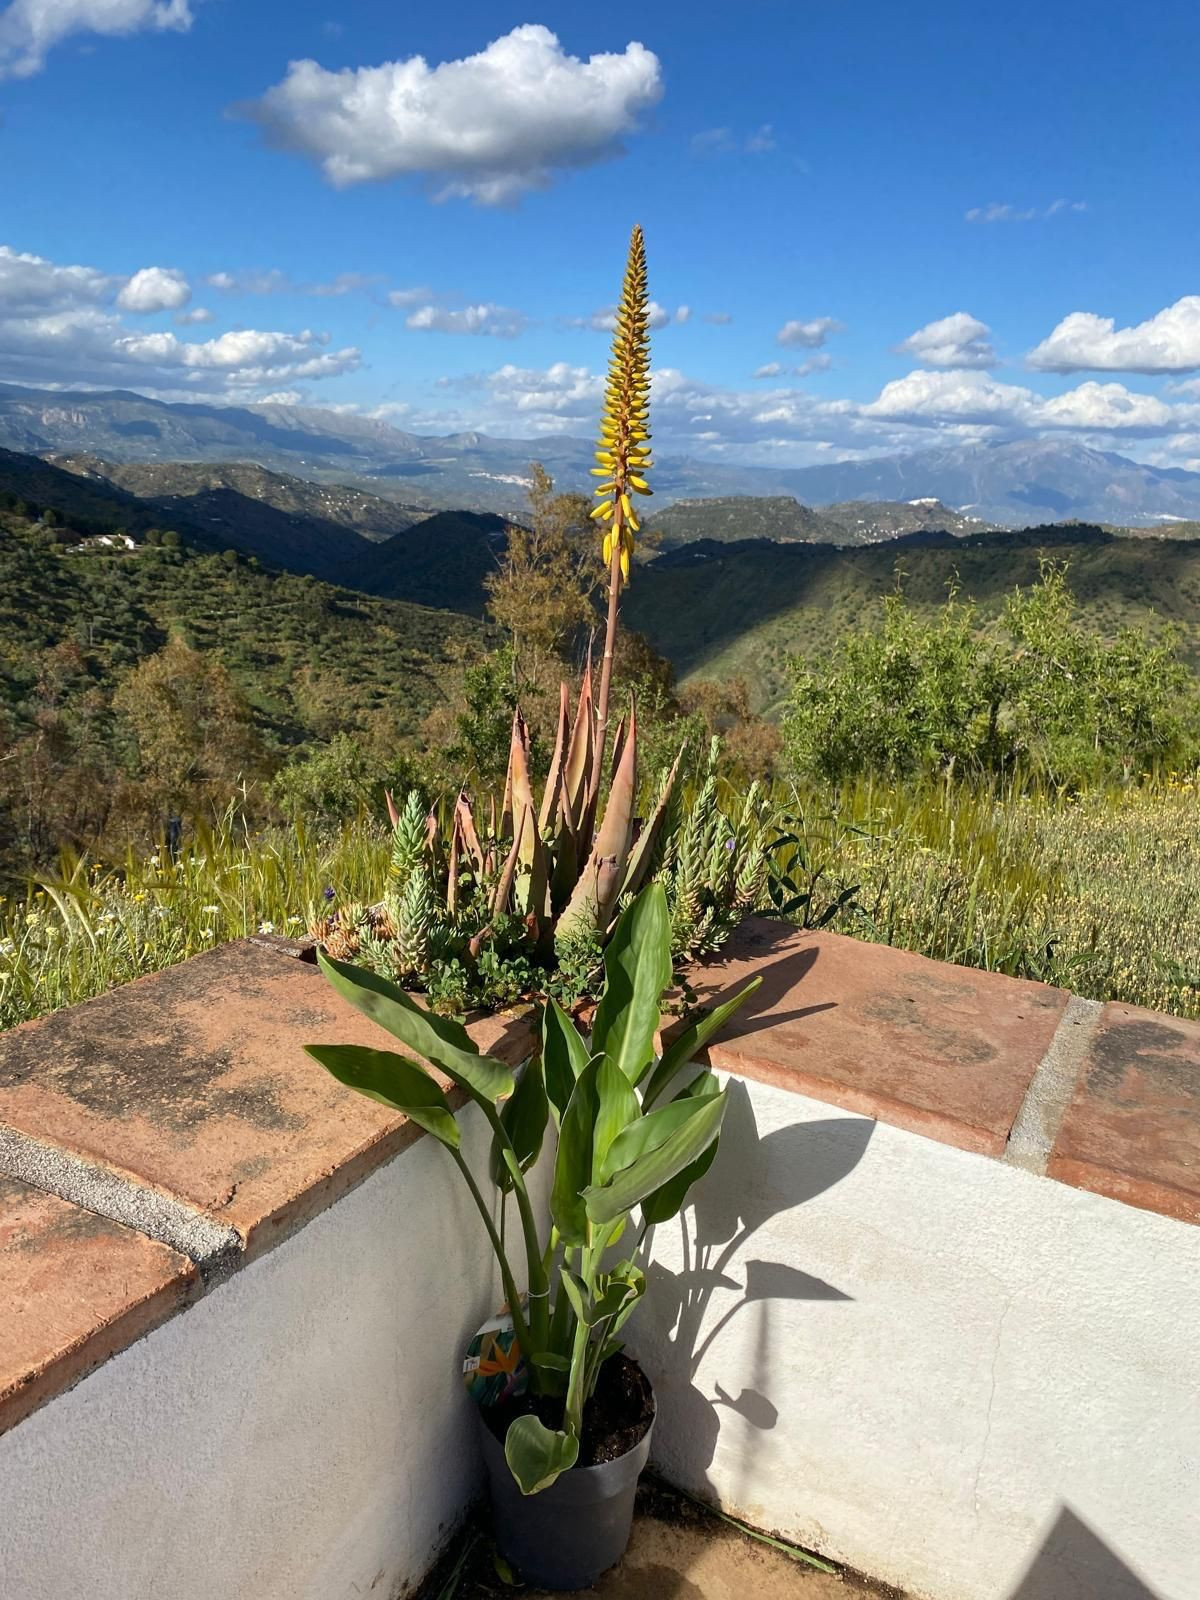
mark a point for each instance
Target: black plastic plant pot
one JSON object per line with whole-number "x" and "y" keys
{"x": 569, "y": 1534}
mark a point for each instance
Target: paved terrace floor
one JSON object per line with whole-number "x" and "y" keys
{"x": 679, "y": 1551}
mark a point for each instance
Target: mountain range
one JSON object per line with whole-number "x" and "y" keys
{"x": 1009, "y": 482}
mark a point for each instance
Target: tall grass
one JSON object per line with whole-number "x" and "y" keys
{"x": 1099, "y": 893}
{"x": 96, "y": 924}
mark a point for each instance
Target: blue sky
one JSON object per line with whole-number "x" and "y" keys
{"x": 870, "y": 227}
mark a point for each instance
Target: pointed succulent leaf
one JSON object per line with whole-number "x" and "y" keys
{"x": 554, "y": 778}
{"x": 445, "y": 1043}
{"x": 658, "y": 1165}
{"x": 394, "y": 1081}
{"x": 683, "y": 1049}
{"x": 637, "y": 968}
{"x": 642, "y": 853}
{"x": 535, "y": 1455}
{"x": 523, "y": 1117}
{"x": 591, "y": 906}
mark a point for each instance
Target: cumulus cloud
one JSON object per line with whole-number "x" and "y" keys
{"x": 61, "y": 323}
{"x": 811, "y": 334}
{"x": 1083, "y": 341}
{"x": 197, "y": 314}
{"x": 925, "y": 397}
{"x": 776, "y": 369}
{"x": 499, "y": 322}
{"x": 771, "y": 369}
{"x": 273, "y": 281}
{"x": 488, "y": 127}
{"x": 1001, "y": 212}
{"x": 29, "y": 29}
{"x": 155, "y": 289}
{"x": 959, "y": 340}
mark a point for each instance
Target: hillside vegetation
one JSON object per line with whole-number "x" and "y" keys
{"x": 734, "y": 518}
{"x": 743, "y": 610}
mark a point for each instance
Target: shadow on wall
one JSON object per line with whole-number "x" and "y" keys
{"x": 1075, "y": 1564}
{"x": 776, "y": 1173}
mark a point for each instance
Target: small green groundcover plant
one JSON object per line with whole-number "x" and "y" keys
{"x": 624, "y": 1137}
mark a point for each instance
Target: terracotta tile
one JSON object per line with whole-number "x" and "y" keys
{"x": 75, "y": 1289}
{"x": 194, "y": 1081}
{"x": 1132, "y": 1130}
{"x": 941, "y": 1050}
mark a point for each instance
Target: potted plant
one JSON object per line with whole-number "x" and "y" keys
{"x": 621, "y": 1134}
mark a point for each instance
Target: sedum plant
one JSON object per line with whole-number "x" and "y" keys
{"x": 608, "y": 1115}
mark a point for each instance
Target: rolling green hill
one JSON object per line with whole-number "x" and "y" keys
{"x": 305, "y": 653}
{"x": 741, "y": 610}
{"x": 443, "y": 561}
{"x": 734, "y": 518}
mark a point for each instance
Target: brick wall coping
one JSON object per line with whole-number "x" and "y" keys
{"x": 155, "y": 1139}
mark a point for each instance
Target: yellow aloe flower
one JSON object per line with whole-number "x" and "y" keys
{"x": 624, "y": 443}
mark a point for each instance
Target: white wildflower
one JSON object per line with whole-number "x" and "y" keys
{"x": 266, "y": 927}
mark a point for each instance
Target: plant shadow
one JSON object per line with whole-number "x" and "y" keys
{"x": 1074, "y": 1563}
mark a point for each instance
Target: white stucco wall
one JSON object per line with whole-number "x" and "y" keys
{"x": 987, "y": 1388}
{"x": 300, "y": 1434}
{"x": 971, "y": 1382}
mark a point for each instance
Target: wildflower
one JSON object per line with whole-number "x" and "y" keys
{"x": 266, "y": 927}
{"x": 210, "y": 911}
{"x": 206, "y": 933}
{"x": 328, "y": 893}
{"x": 154, "y": 861}
{"x": 7, "y": 947}
{"x": 294, "y": 921}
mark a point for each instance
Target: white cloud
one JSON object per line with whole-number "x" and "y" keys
{"x": 724, "y": 142}
{"x": 605, "y": 320}
{"x": 1002, "y": 212}
{"x": 29, "y": 284}
{"x": 971, "y": 398}
{"x": 66, "y": 323}
{"x": 29, "y": 29}
{"x": 959, "y": 340}
{"x": 155, "y": 289}
{"x": 817, "y": 363}
{"x": 409, "y": 297}
{"x": 497, "y": 321}
{"x": 1105, "y": 407}
{"x": 811, "y": 334}
{"x": 273, "y": 281}
{"x": 772, "y": 369}
{"x": 488, "y": 127}
{"x": 962, "y": 396}
{"x": 283, "y": 397}
{"x": 720, "y": 319}
{"x": 197, "y": 314}
{"x": 1083, "y": 341}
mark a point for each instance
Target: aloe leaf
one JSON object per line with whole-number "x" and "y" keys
{"x": 523, "y": 1117}
{"x": 591, "y": 905}
{"x": 536, "y": 1456}
{"x": 394, "y": 1081}
{"x": 440, "y": 1040}
{"x": 643, "y": 1177}
{"x": 554, "y": 778}
{"x": 683, "y": 1049}
{"x": 637, "y": 968}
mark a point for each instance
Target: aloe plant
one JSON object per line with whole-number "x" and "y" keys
{"x": 623, "y": 1138}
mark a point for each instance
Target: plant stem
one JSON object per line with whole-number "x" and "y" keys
{"x": 520, "y": 1327}
{"x": 610, "y": 643}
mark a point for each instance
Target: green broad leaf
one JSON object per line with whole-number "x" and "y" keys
{"x": 551, "y": 1361}
{"x": 683, "y": 1049}
{"x": 577, "y": 1294}
{"x": 394, "y": 1081}
{"x": 646, "y": 1134}
{"x": 660, "y": 1162}
{"x": 620, "y": 1293}
{"x": 564, "y": 1055}
{"x": 573, "y": 1159}
{"x": 523, "y": 1117}
{"x": 616, "y": 1107}
{"x": 637, "y": 968}
{"x": 439, "y": 1040}
{"x": 536, "y": 1456}
{"x": 667, "y": 1202}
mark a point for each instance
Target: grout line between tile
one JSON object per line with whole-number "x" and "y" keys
{"x": 1035, "y": 1128}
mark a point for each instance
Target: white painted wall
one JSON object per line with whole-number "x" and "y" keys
{"x": 300, "y": 1434}
{"x": 932, "y": 1366}
{"x": 1005, "y": 1406}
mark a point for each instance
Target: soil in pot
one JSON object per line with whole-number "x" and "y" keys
{"x": 615, "y": 1419}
